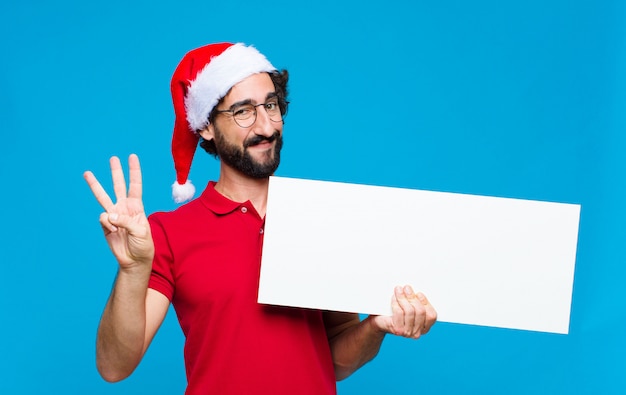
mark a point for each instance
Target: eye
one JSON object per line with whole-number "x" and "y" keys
{"x": 271, "y": 106}
{"x": 243, "y": 112}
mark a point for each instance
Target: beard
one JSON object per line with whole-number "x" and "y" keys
{"x": 240, "y": 159}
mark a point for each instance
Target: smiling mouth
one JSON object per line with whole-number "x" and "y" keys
{"x": 260, "y": 140}
{"x": 265, "y": 147}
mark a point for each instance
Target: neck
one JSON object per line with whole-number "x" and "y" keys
{"x": 240, "y": 188}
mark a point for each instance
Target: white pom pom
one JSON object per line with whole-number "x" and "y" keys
{"x": 182, "y": 193}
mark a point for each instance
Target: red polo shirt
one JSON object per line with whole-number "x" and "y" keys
{"x": 207, "y": 263}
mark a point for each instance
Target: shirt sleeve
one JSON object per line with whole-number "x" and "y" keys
{"x": 162, "y": 277}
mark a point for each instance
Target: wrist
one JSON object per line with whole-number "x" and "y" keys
{"x": 138, "y": 271}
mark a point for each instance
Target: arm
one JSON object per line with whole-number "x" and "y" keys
{"x": 353, "y": 343}
{"x": 131, "y": 318}
{"x": 133, "y": 312}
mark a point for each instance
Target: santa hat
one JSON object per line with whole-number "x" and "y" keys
{"x": 202, "y": 78}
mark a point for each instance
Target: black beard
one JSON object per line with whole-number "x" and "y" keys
{"x": 240, "y": 159}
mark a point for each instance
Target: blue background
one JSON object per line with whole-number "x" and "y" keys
{"x": 523, "y": 99}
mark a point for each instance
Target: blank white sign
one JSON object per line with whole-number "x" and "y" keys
{"x": 480, "y": 260}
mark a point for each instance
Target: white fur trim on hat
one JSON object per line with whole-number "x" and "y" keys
{"x": 184, "y": 192}
{"x": 214, "y": 81}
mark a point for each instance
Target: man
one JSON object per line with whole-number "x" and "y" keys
{"x": 205, "y": 256}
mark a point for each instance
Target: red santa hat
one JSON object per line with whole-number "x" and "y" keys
{"x": 202, "y": 78}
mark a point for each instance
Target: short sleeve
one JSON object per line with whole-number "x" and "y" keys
{"x": 162, "y": 277}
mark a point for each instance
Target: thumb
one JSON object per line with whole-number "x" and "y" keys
{"x": 126, "y": 222}
{"x": 381, "y": 323}
{"x": 114, "y": 218}
{"x": 119, "y": 220}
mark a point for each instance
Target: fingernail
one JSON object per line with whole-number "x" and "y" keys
{"x": 113, "y": 217}
{"x": 408, "y": 290}
{"x": 421, "y": 297}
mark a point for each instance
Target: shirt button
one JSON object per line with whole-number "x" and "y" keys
{"x": 261, "y": 231}
{"x": 244, "y": 210}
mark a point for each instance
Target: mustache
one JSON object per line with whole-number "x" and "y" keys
{"x": 257, "y": 139}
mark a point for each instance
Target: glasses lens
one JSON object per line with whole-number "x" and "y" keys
{"x": 245, "y": 123}
{"x": 245, "y": 115}
{"x": 273, "y": 111}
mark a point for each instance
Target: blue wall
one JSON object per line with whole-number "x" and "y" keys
{"x": 522, "y": 100}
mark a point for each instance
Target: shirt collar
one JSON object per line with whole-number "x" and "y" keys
{"x": 217, "y": 202}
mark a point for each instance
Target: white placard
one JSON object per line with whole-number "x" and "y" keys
{"x": 480, "y": 260}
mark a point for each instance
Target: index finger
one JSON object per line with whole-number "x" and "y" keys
{"x": 101, "y": 196}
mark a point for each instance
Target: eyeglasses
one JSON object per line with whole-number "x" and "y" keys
{"x": 245, "y": 114}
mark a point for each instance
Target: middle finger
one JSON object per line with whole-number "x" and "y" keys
{"x": 407, "y": 301}
{"x": 119, "y": 183}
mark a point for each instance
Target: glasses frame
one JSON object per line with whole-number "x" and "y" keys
{"x": 254, "y": 112}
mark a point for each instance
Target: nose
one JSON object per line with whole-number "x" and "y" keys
{"x": 263, "y": 125}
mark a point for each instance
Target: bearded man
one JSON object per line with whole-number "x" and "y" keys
{"x": 204, "y": 257}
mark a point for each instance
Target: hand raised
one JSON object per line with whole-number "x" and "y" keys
{"x": 413, "y": 315}
{"x": 124, "y": 222}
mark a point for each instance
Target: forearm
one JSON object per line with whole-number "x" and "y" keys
{"x": 354, "y": 343}
{"x": 355, "y": 347}
{"x": 121, "y": 334}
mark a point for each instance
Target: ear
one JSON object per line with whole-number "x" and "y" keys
{"x": 207, "y": 133}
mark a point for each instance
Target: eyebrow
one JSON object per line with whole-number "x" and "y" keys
{"x": 270, "y": 95}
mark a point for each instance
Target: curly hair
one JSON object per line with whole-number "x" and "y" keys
{"x": 280, "y": 79}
